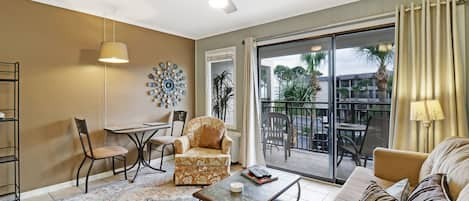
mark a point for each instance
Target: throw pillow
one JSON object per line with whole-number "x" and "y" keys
{"x": 210, "y": 137}
{"x": 433, "y": 188}
{"x": 400, "y": 190}
{"x": 374, "y": 192}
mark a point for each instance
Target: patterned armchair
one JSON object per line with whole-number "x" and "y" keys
{"x": 201, "y": 166}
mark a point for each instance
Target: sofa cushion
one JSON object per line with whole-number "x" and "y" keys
{"x": 431, "y": 188}
{"x": 374, "y": 192}
{"x": 357, "y": 183}
{"x": 400, "y": 190}
{"x": 202, "y": 157}
{"x": 451, "y": 157}
{"x": 464, "y": 194}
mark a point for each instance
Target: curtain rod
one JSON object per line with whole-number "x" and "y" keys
{"x": 381, "y": 16}
{"x": 330, "y": 26}
{"x": 419, "y": 7}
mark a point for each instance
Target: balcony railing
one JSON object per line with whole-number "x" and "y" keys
{"x": 310, "y": 119}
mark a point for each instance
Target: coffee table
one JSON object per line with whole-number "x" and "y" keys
{"x": 252, "y": 191}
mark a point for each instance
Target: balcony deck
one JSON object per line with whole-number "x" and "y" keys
{"x": 310, "y": 163}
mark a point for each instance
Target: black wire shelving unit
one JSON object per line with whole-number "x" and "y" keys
{"x": 9, "y": 131}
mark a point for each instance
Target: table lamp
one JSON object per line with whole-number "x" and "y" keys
{"x": 426, "y": 112}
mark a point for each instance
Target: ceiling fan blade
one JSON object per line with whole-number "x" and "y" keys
{"x": 231, "y": 8}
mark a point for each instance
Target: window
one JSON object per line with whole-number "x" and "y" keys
{"x": 221, "y": 85}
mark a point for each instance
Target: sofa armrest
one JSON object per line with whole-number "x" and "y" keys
{"x": 394, "y": 165}
{"x": 226, "y": 144}
{"x": 182, "y": 144}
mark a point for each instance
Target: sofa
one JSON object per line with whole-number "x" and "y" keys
{"x": 450, "y": 157}
{"x": 195, "y": 165}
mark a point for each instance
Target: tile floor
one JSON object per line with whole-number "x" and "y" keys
{"x": 311, "y": 163}
{"x": 311, "y": 190}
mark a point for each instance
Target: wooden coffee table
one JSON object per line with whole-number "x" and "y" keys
{"x": 252, "y": 191}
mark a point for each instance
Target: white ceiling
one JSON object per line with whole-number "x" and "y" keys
{"x": 194, "y": 19}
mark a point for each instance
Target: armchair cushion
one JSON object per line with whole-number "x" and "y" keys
{"x": 210, "y": 137}
{"x": 226, "y": 145}
{"x": 202, "y": 157}
{"x": 182, "y": 144}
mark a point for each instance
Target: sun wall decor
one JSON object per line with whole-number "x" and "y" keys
{"x": 167, "y": 85}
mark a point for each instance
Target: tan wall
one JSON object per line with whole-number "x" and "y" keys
{"x": 60, "y": 79}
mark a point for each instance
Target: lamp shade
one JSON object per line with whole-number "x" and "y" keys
{"x": 429, "y": 110}
{"x": 113, "y": 52}
{"x": 435, "y": 112}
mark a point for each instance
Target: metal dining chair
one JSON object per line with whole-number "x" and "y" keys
{"x": 178, "y": 116}
{"x": 113, "y": 152}
{"x": 277, "y": 130}
{"x": 376, "y": 135}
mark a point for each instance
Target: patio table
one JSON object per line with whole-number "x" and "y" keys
{"x": 354, "y": 128}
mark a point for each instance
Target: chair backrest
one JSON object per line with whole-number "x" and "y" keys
{"x": 376, "y": 135}
{"x": 274, "y": 128}
{"x": 194, "y": 124}
{"x": 84, "y": 135}
{"x": 179, "y": 116}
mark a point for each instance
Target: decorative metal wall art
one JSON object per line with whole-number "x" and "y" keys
{"x": 168, "y": 84}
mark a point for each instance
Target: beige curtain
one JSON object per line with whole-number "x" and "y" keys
{"x": 251, "y": 149}
{"x": 428, "y": 66}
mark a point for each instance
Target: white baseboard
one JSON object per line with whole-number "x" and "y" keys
{"x": 71, "y": 183}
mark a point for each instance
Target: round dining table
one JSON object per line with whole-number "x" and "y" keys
{"x": 140, "y": 136}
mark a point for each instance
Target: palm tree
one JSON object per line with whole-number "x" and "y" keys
{"x": 223, "y": 93}
{"x": 294, "y": 83}
{"x": 284, "y": 74}
{"x": 313, "y": 60}
{"x": 298, "y": 92}
{"x": 382, "y": 58}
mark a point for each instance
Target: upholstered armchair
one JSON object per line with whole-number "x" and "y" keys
{"x": 202, "y": 153}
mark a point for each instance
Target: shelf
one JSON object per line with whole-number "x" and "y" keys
{"x": 8, "y": 119}
{"x": 7, "y": 155}
{"x": 8, "y": 159}
{"x": 7, "y": 193}
{"x": 8, "y": 63}
{"x": 8, "y": 80}
{"x": 9, "y": 197}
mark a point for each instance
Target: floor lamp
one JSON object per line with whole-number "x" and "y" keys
{"x": 426, "y": 112}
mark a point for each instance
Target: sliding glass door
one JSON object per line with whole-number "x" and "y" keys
{"x": 335, "y": 92}
{"x": 295, "y": 83}
{"x": 363, "y": 78}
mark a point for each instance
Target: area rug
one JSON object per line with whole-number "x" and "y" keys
{"x": 149, "y": 186}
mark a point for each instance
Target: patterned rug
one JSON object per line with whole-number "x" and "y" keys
{"x": 149, "y": 186}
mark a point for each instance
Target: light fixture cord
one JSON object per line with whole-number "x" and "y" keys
{"x": 105, "y": 77}
{"x": 113, "y": 31}
{"x": 104, "y": 29}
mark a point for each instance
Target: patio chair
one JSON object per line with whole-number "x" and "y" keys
{"x": 376, "y": 135}
{"x": 277, "y": 131}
